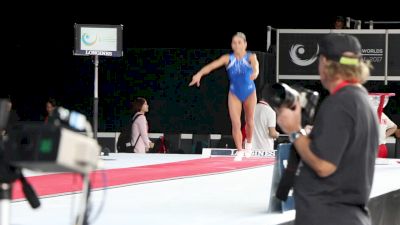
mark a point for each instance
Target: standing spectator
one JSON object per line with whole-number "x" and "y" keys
{"x": 387, "y": 128}
{"x": 340, "y": 23}
{"x": 51, "y": 104}
{"x": 140, "y": 137}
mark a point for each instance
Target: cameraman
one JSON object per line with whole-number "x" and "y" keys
{"x": 334, "y": 178}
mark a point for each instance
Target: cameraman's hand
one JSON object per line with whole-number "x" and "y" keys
{"x": 308, "y": 128}
{"x": 290, "y": 120}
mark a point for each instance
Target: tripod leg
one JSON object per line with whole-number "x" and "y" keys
{"x": 83, "y": 214}
{"x": 5, "y": 203}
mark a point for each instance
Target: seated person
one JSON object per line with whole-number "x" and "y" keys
{"x": 386, "y": 129}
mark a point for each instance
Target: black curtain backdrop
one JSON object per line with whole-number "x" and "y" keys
{"x": 159, "y": 75}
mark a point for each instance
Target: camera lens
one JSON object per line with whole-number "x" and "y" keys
{"x": 278, "y": 95}
{"x": 281, "y": 95}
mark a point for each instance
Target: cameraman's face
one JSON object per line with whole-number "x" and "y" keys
{"x": 322, "y": 70}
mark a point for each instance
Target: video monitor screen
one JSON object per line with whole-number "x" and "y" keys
{"x": 102, "y": 40}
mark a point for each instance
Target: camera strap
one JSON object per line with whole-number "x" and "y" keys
{"x": 133, "y": 121}
{"x": 288, "y": 176}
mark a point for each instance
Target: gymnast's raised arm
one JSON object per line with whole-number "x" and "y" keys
{"x": 221, "y": 61}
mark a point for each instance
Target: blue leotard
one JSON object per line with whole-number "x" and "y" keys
{"x": 239, "y": 71}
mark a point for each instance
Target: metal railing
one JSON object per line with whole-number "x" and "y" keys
{"x": 371, "y": 23}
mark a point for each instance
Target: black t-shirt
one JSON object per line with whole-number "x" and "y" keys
{"x": 345, "y": 134}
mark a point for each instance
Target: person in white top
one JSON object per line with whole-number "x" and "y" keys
{"x": 264, "y": 126}
{"x": 386, "y": 129}
{"x": 140, "y": 136}
{"x": 386, "y": 126}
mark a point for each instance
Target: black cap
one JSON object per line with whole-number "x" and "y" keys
{"x": 333, "y": 46}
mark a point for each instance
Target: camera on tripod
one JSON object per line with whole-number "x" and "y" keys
{"x": 56, "y": 147}
{"x": 282, "y": 95}
{"x": 65, "y": 144}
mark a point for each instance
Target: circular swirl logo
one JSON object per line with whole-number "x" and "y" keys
{"x": 297, "y": 50}
{"x": 88, "y": 39}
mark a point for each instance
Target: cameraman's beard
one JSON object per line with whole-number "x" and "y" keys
{"x": 329, "y": 82}
{"x": 324, "y": 82}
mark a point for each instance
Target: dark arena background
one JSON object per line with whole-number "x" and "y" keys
{"x": 159, "y": 59}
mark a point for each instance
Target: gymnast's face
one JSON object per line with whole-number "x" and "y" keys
{"x": 238, "y": 44}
